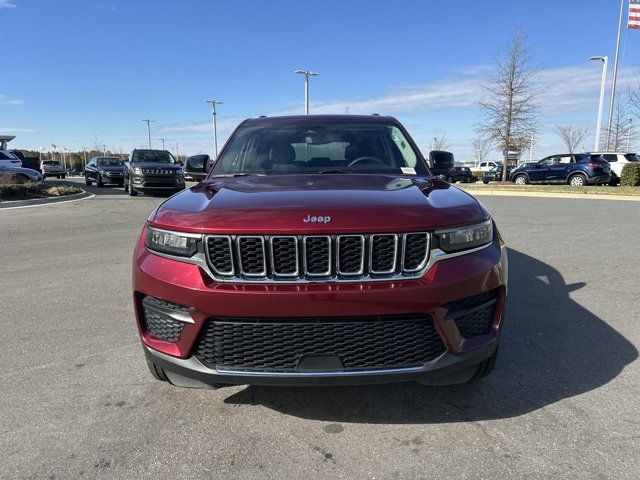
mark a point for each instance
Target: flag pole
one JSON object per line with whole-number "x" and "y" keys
{"x": 615, "y": 75}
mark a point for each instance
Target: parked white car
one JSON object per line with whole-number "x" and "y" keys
{"x": 8, "y": 159}
{"x": 617, "y": 160}
{"x": 486, "y": 166}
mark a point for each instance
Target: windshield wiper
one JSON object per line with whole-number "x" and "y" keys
{"x": 335, "y": 171}
{"x": 240, "y": 175}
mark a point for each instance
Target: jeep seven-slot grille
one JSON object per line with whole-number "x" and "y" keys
{"x": 317, "y": 257}
{"x": 354, "y": 343}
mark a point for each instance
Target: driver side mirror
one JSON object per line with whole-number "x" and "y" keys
{"x": 440, "y": 161}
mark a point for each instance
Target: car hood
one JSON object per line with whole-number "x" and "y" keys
{"x": 24, "y": 171}
{"x": 282, "y": 203}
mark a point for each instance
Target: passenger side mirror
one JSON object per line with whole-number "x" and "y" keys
{"x": 199, "y": 163}
{"x": 440, "y": 161}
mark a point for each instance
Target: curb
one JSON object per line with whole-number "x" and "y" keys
{"x": 39, "y": 202}
{"x": 575, "y": 196}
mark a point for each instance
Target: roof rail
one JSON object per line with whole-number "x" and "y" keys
{"x": 375, "y": 114}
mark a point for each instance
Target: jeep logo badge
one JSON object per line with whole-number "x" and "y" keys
{"x": 311, "y": 219}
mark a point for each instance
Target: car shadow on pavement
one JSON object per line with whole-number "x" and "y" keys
{"x": 552, "y": 348}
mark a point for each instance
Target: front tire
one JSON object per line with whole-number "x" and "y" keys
{"x": 156, "y": 371}
{"x": 63, "y": 176}
{"x": 99, "y": 182}
{"x": 88, "y": 182}
{"x": 131, "y": 191}
{"x": 521, "y": 180}
{"x": 577, "y": 180}
{"x": 486, "y": 366}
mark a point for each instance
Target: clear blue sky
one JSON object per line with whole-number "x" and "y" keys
{"x": 74, "y": 70}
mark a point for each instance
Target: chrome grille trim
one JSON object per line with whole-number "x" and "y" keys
{"x": 404, "y": 252}
{"x": 362, "y": 256}
{"x": 261, "y": 273}
{"x": 331, "y": 274}
{"x": 372, "y": 253}
{"x": 325, "y": 273}
{"x": 273, "y": 256}
{"x": 229, "y": 273}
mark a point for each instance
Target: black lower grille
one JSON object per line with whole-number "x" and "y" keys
{"x": 158, "y": 324}
{"x": 277, "y": 345}
{"x": 474, "y": 315}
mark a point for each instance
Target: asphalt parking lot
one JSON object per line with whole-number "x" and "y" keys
{"x": 77, "y": 401}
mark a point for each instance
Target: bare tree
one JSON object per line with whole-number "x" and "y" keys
{"x": 621, "y": 126}
{"x": 571, "y": 136}
{"x": 481, "y": 148}
{"x": 510, "y": 113}
{"x": 440, "y": 143}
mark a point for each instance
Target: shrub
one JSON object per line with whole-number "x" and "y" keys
{"x": 9, "y": 190}
{"x": 62, "y": 190}
{"x": 630, "y": 175}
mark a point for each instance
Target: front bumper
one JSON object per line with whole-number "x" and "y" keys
{"x": 445, "y": 283}
{"x": 157, "y": 182}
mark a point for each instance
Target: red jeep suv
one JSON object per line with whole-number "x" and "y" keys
{"x": 320, "y": 250}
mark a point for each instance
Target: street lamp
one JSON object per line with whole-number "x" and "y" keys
{"x": 215, "y": 128}
{"x": 603, "y": 85}
{"x": 162, "y": 140}
{"x": 148, "y": 122}
{"x": 306, "y": 74}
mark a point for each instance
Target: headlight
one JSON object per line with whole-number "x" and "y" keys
{"x": 180, "y": 171}
{"x": 465, "y": 238}
{"x": 137, "y": 170}
{"x": 103, "y": 172}
{"x": 172, "y": 243}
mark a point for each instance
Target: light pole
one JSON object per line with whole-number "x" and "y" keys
{"x": 162, "y": 140}
{"x": 615, "y": 74}
{"x": 603, "y": 86}
{"x": 148, "y": 122}
{"x": 215, "y": 127}
{"x": 629, "y": 134}
{"x": 306, "y": 74}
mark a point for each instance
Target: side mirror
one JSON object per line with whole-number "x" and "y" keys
{"x": 199, "y": 163}
{"x": 440, "y": 161}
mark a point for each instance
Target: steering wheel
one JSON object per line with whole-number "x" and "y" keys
{"x": 366, "y": 159}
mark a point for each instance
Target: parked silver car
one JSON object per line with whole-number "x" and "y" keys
{"x": 53, "y": 168}
{"x": 20, "y": 175}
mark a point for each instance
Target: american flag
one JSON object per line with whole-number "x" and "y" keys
{"x": 634, "y": 14}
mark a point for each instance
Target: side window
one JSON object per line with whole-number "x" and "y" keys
{"x": 550, "y": 161}
{"x": 409, "y": 156}
{"x": 483, "y": 164}
{"x": 566, "y": 159}
{"x": 609, "y": 157}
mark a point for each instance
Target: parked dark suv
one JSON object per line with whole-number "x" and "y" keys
{"x": 320, "y": 250}
{"x": 103, "y": 170}
{"x": 152, "y": 170}
{"x": 460, "y": 174}
{"x": 573, "y": 169}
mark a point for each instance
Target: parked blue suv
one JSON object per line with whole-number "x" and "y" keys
{"x": 574, "y": 169}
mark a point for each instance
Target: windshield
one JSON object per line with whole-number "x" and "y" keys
{"x": 632, "y": 157}
{"x": 109, "y": 162}
{"x": 51, "y": 162}
{"x": 154, "y": 156}
{"x": 276, "y": 149}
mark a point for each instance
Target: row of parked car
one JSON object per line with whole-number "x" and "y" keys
{"x": 146, "y": 170}
{"x": 577, "y": 169}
